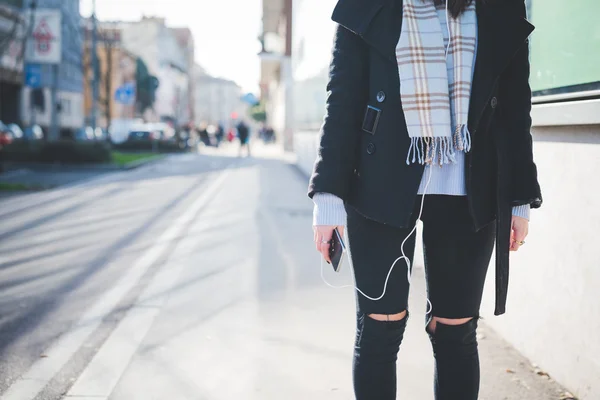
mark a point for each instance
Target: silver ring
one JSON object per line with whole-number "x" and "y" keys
{"x": 324, "y": 241}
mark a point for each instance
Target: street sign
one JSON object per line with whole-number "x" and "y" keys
{"x": 250, "y": 98}
{"x": 125, "y": 94}
{"x": 46, "y": 46}
{"x": 33, "y": 75}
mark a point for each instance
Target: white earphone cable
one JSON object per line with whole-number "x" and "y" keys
{"x": 403, "y": 256}
{"x": 448, "y": 26}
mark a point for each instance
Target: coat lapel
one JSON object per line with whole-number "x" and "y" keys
{"x": 501, "y": 34}
{"x": 377, "y": 22}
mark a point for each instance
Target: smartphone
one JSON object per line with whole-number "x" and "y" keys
{"x": 336, "y": 250}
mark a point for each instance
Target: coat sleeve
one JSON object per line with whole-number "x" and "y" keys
{"x": 516, "y": 104}
{"x": 340, "y": 133}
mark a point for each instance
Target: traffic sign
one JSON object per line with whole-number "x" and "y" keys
{"x": 250, "y": 98}
{"x": 46, "y": 46}
{"x": 33, "y": 75}
{"x": 125, "y": 94}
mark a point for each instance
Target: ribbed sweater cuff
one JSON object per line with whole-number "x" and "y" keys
{"x": 522, "y": 211}
{"x": 329, "y": 210}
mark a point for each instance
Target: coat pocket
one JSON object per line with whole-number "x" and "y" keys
{"x": 371, "y": 119}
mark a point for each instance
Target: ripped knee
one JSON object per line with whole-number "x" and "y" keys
{"x": 388, "y": 317}
{"x": 431, "y": 327}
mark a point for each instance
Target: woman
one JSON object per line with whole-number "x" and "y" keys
{"x": 428, "y": 117}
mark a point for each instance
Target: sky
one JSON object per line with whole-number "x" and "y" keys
{"x": 225, "y": 31}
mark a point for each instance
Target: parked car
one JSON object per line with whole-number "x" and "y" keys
{"x": 89, "y": 133}
{"x": 163, "y": 130}
{"x": 16, "y": 131}
{"x": 120, "y": 128}
{"x": 10, "y": 132}
{"x": 186, "y": 139}
{"x": 34, "y": 132}
{"x": 6, "y": 136}
{"x": 85, "y": 133}
{"x": 143, "y": 135}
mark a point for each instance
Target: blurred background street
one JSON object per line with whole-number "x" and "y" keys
{"x": 155, "y": 233}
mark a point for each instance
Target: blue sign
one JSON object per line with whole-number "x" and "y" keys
{"x": 33, "y": 75}
{"x": 250, "y": 98}
{"x": 125, "y": 94}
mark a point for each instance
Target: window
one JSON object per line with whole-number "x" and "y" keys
{"x": 565, "y": 47}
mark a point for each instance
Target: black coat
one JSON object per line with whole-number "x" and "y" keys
{"x": 362, "y": 153}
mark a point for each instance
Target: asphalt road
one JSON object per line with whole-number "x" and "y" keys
{"x": 192, "y": 278}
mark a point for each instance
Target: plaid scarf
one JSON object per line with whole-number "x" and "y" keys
{"x": 429, "y": 82}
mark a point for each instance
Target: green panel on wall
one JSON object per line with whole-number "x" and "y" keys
{"x": 565, "y": 47}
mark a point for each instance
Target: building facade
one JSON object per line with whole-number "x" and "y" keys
{"x": 312, "y": 42}
{"x": 276, "y": 81}
{"x": 12, "y": 29}
{"x": 67, "y": 77}
{"x": 151, "y": 40}
{"x": 186, "y": 43}
{"x": 117, "y": 73}
{"x": 217, "y": 100}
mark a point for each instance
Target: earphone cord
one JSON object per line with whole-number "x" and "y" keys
{"x": 403, "y": 256}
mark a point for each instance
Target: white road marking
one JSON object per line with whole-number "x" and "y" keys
{"x": 41, "y": 372}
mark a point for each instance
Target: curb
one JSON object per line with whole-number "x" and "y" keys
{"x": 141, "y": 163}
{"x": 79, "y": 167}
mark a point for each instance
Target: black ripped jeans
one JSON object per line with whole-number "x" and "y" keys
{"x": 456, "y": 262}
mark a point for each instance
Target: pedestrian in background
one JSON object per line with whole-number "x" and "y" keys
{"x": 220, "y": 134}
{"x": 203, "y": 133}
{"x": 428, "y": 117}
{"x": 244, "y": 137}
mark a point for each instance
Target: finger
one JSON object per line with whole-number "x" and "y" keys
{"x": 520, "y": 228}
{"x": 511, "y": 245}
{"x": 519, "y": 235}
{"x": 318, "y": 238}
{"x": 326, "y": 236}
{"x": 325, "y": 252}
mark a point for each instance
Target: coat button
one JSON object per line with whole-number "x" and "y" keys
{"x": 494, "y": 102}
{"x": 381, "y": 96}
{"x": 371, "y": 148}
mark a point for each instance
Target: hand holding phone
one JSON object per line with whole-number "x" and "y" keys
{"x": 337, "y": 247}
{"x": 330, "y": 243}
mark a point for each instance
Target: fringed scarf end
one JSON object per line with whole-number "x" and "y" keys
{"x": 462, "y": 138}
{"x": 430, "y": 151}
